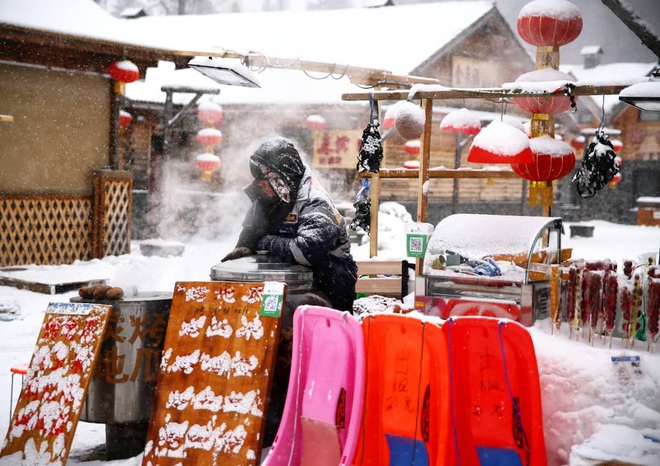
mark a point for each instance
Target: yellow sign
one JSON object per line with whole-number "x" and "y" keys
{"x": 336, "y": 149}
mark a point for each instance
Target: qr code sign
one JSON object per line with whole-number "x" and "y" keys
{"x": 416, "y": 244}
{"x": 271, "y": 304}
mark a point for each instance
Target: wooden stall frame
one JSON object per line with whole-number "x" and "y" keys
{"x": 427, "y": 94}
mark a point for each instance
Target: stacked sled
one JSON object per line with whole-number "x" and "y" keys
{"x": 399, "y": 390}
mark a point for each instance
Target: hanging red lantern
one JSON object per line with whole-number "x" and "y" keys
{"x": 617, "y": 145}
{"x": 545, "y": 104}
{"x": 208, "y": 163}
{"x": 616, "y": 179}
{"x": 125, "y": 118}
{"x": 578, "y": 143}
{"x": 412, "y": 147}
{"x": 461, "y": 121}
{"x": 210, "y": 113}
{"x": 618, "y": 161}
{"x": 124, "y": 71}
{"x": 549, "y": 23}
{"x": 553, "y": 159}
{"x": 316, "y": 123}
{"x": 411, "y": 164}
{"x": 209, "y": 137}
{"x": 500, "y": 142}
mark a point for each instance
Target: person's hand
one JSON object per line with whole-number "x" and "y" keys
{"x": 237, "y": 253}
{"x": 265, "y": 243}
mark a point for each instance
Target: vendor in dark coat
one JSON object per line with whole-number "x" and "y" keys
{"x": 295, "y": 220}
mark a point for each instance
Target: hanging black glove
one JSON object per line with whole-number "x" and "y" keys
{"x": 362, "y": 206}
{"x": 598, "y": 167}
{"x": 371, "y": 150}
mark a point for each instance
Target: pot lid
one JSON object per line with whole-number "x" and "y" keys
{"x": 261, "y": 268}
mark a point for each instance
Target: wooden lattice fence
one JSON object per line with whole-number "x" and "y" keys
{"x": 50, "y": 230}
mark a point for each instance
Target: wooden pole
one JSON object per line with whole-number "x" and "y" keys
{"x": 423, "y": 176}
{"x": 374, "y": 192}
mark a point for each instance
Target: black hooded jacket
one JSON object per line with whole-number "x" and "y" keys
{"x": 302, "y": 225}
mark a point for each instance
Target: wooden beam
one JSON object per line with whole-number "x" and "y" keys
{"x": 447, "y": 93}
{"x": 450, "y": 173}
{"x": 636, "y": 24}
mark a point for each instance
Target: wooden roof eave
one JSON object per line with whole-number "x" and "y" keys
{"x": 53, "y": 49}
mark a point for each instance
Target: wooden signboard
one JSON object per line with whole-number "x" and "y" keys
{"x": 215, "y": 373}
{"x": 46, "y": 416}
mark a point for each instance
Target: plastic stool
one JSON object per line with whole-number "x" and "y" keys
{"x": 22, "y": 370}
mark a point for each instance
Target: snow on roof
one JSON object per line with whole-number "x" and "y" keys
{"x": 613, "y": 73}
{"x": 397, "y": 38}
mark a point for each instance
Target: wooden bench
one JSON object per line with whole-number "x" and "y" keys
{"x": 385, "y": 278}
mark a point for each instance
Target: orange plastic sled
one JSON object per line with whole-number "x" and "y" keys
{"x": 495, "y": 394}
{"x": 406, "y": 409}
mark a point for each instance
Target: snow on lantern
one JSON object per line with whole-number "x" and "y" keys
{"x": 554, "y": 23}
{"x": 210, "y": 113}
{"x": 615, "y": 180}
{"x": 208, "y": 163}
{"x": 546, "y": 80}
{"x": 412, "y": 147}
{"x": 617, "y": 145}
{"x": 125, "y": 119}
{"x": 316, "y": 123}
{"x": 209, "y": 137}
{"x": 500, "y": 142}
{"x": 123, "y": 71}
{"x": 409, "y": 120}
{"x": 578, "y": 143}
{"x": 552, "y": 159}
{"x": 461, "y": 121}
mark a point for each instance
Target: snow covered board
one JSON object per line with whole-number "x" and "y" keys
{"x": 215, "y": 374}
{"x": 45, "y": 419}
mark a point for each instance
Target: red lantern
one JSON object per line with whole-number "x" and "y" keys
{"x": 553, "y": 159}
{"x": 461, "y": 121}
{"x": 616, "y": 179}
{"x": 412, "y": 147}
{"x": 544, "y": 104}
{"x": 208, "y": 163}
{"x": 209, "y": 137}
{"x": 125, "y": 118}
{"x": 542, "y": 23}
{"x": 125, "y": 71}
{"x": 316, "y": 123}
{"x": 578, "y": 143}
{"x": 500, "y": 142}
{"x": 617, "y": 145}
{"x": 210, "y": 113}
{"x": 411, "y": 164}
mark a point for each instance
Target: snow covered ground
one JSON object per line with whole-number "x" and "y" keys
{"x": 589, "y": 410}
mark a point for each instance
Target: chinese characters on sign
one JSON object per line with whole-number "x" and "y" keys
{"x": 215, "y": 374}
{"x": 467, "y": 72}
{"x": 47, "y": 413}
{"x": 336, "y": 149}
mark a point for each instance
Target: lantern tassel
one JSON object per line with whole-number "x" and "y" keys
{"x": 540, "y": 193}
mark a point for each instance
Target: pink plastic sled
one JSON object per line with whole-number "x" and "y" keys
{"x": 321, "y": 419}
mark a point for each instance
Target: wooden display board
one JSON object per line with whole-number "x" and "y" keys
{"x": 215, "y": 373}
{"x": 46, "y": 416}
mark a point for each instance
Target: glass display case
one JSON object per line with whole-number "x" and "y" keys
{"x": 496, "y": 265}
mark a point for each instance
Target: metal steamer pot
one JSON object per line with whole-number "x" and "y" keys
{"x": 300, "y": 290}
{"x": 122, "y": 390}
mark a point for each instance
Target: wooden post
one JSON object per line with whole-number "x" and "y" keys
{"x": 374, "y": 192}
{"x": 422, "y": 188}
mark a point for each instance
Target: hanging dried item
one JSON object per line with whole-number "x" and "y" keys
{"x": 598, "y": 167}
{"x": 371, "y": 150}
{"x": 362, "y": 206}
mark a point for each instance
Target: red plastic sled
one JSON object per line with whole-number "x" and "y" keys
{"x": 406, "y": 409}
{"x": 495, "y": 393}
